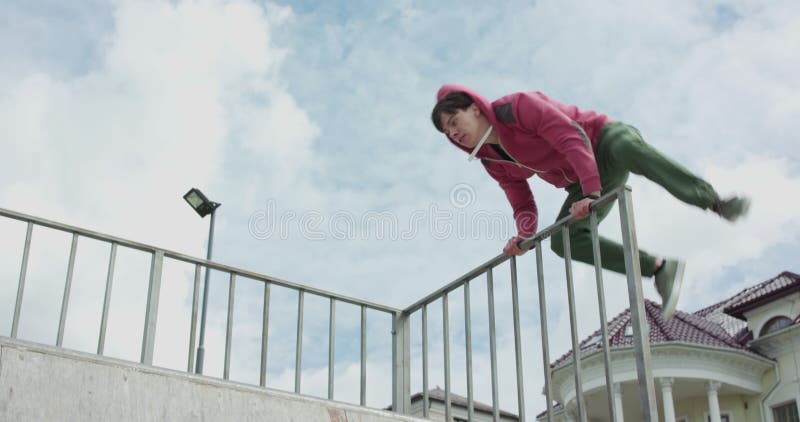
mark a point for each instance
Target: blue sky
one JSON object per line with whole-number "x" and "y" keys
{"x": 112, "y": 110}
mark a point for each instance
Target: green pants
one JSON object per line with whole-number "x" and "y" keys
{"x": 620, "y": 151}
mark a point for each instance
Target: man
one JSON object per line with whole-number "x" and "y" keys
{"x": 586, "y": 153}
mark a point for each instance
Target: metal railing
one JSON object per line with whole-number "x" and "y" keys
{"x": 401, "y": 343}
{"x": 158, "y": 256}
{"x": 641, "y": 344}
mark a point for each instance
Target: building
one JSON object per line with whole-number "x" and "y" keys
{"x": 736, "y": 360}
{"x": 458, "y": 405}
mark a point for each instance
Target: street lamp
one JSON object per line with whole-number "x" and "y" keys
{"x": 203, "y": 206}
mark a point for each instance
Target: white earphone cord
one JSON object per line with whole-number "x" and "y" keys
{"x": 480, "y": 144}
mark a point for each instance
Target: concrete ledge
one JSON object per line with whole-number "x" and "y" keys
{"x": 39, "y": 382}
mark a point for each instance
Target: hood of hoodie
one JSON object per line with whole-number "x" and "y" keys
{"x": 483, "y": 105}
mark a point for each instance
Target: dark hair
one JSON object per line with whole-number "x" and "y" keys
{"x": 450, "y": 104}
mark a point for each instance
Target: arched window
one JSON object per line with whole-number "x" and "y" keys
{"x": 775, "y": 324}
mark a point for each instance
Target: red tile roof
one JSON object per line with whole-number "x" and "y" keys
{"x": 752, "y": 292}
{"x": 718, "y": 325}
{"x": 762, "y": 293}
{"x": 683, "y": 327}
{"x": 734, "y": 322}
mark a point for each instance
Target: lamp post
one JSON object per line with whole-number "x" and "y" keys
{"x": 203, "y": 206}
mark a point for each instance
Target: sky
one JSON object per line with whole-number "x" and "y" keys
{"x": 309, "y": 122}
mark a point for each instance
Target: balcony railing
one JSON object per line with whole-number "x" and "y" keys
{"x": 401, "y": 343}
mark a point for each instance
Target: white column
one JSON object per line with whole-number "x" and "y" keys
{"x": 666, "y": 399}
{"x": 618, "y": 401}
{"x": 713, "y": 402}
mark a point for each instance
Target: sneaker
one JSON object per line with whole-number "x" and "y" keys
{"x": 732, "y": 208}
{"x": 668, "y": 285}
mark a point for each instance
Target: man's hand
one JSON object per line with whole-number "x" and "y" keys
{"x": 512, "y": 247}
{"x": 580, "y": 209}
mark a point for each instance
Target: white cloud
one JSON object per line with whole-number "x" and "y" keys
{"x": 114, "y": 149}
{"x": 718, "y": 245}
{"x": 329, "y": 112}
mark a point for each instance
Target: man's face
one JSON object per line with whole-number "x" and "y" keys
{"x": 465, "y": 126}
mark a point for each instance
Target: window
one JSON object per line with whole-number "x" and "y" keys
{"x": 786, "y": 412}
{"x": 629, "y": 329}
{"x": 775, "y": 324}
{"x": 723, "y": 417}
{"x": 593, "y": 342}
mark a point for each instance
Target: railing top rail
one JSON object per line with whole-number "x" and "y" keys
{"x": 499, "y": 259}
{"x": 189, "y": 259}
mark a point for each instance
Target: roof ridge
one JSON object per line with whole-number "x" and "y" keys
{"x": 768, "y": 290}
{"x": 745, "y": 291}
{"x": 654, "y": 311}
{"x": 725, "y": 338}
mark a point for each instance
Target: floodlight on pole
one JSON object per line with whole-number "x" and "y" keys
{"x": 203, "y": 206}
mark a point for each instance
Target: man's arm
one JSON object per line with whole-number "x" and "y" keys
{"x": 520, "y": 197}
{"x": 563, "y": 134}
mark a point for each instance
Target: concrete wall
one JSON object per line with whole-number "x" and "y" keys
{"x": 45, "y": 383}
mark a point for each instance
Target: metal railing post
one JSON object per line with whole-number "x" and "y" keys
{"x": 548, "y": 383}
{"x": 193, "y": 324}
{"x": 298, "y": 360}
{"x": 401, "y": 363}
{"x": 23, "y": 271}
{"x": 601, "y": 301}
{"x": 492, "y": 346}
{"x": 517, "y": 340}
{"x": 112, "y": 259}
{"x": 226, "y": 371}
{"x": 425, "y": 398}
{"x": 151, "y": 315}
{"x": 641, "y": 337}
{"x": 363, "y": 387}
{"x": 331, "y": 347}
{"x": 573, "y": 325}
{"x": 264, "y": 336}
{"x": 448, "y": 408}
{"x": 468, "y": 343}
{"x": 62, "y": 322}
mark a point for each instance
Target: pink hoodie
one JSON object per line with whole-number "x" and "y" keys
{"x": 544, "y": 137}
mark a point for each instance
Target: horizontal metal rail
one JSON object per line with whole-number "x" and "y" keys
{"x": 525, "y": 244}
{"x": 188, "y": 259}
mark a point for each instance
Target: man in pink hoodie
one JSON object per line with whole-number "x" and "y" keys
{"x": 586, "y": 153}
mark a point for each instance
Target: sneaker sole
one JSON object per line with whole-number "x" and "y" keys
{"x": 672, "y": 302}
